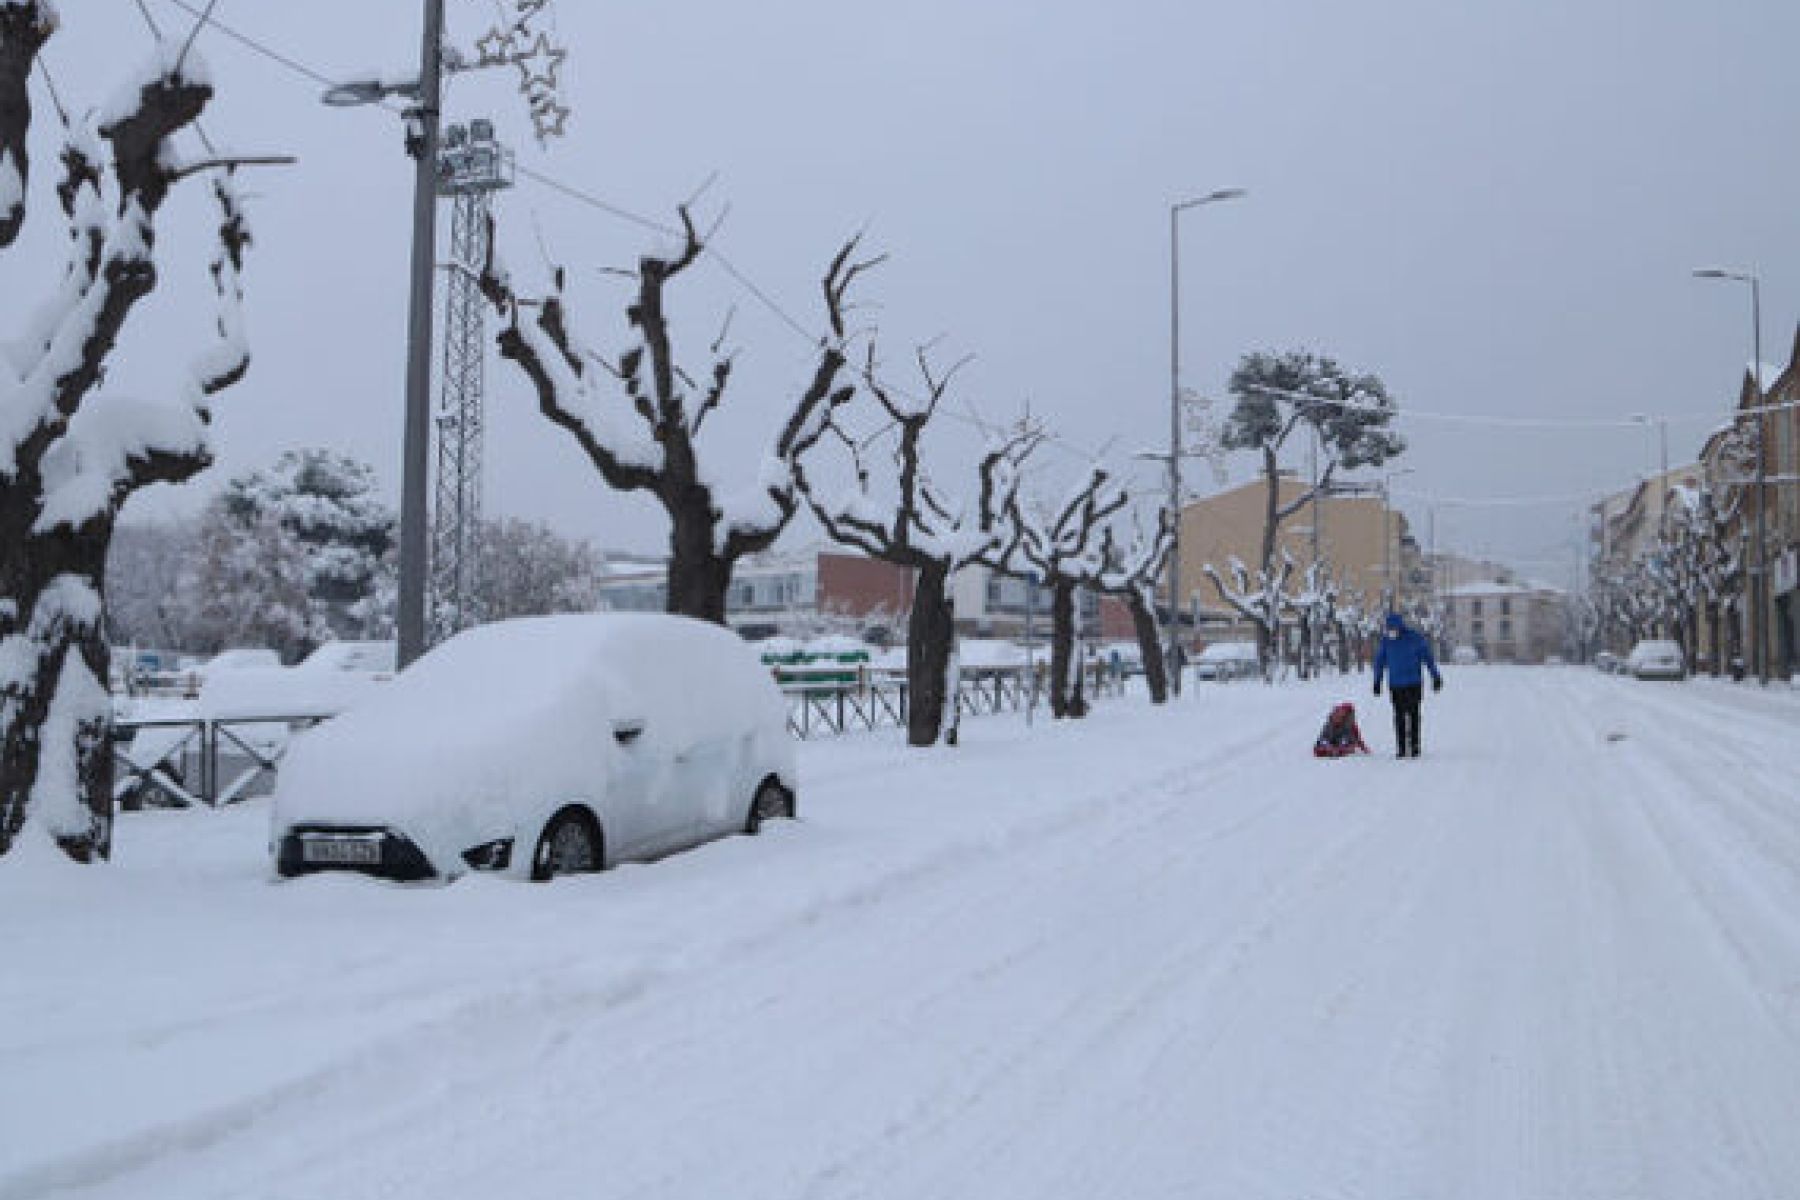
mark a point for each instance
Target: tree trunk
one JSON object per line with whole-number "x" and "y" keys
{"x": 930, "y": 635}
{"x": 1062, "y": 639}
{"x": 1143, "y": 622}
{"x": 55, "y": 714}
{"x": 699, "y": 579}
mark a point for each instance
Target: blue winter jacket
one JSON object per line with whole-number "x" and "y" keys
{"x": 1404, "y": 655}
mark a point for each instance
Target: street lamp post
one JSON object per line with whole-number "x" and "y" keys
{"x": 1387, "y": 536}
{"x": 1175, "y": 211}
{"x": 415, "y": 456}
{"x": 1759, "y": 560}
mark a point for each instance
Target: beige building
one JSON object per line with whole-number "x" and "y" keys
{"x": 1507, "y": 622}
{"x": 1363, "y": 540}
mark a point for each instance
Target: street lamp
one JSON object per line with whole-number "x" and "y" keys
{"x": 1387, "y": 536}
{"x": 1759, "y": 562}
{"x": 422, "y": 143}
{"x": 1175, "y": 211}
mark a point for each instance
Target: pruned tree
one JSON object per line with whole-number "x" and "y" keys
{"x": 1261, "y": 603}
{"x": 1133, "y": 574}
{"x": 1278, "y": 395}
{"x": 639, "y": 417}
{"x": 1313, "y": 608}
{"x": 72, "y": 452}
{"x": 913, "y": 523}
{"x": 1066, "y": 551}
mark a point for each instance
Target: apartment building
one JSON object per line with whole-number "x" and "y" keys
{"x": 1367, "y": 543}
{"x": 1507, "y": 622}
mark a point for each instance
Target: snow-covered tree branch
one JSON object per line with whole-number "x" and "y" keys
{"x": 638, "y": 418}
{"x": 1132, "y": 574}
{"x": 1065, "y": 550}
{"x": 911, "y": 523}
{"x": 71, "y": 452}
{"x": 1261, "y": 603}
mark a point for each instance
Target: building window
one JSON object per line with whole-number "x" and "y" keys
{"x": 1475, "y": 630}
{"x": 1505, "y": 609}
{"x": 993, "y": 595}
{"x": 1475, "y": 608}
{"x": 1506, "y": 631}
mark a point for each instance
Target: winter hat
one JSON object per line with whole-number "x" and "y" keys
{"x": 1394, "y": 623}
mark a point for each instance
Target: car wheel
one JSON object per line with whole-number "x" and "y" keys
{"x": 569, "y": 845}
{"x": 771, "y": 803}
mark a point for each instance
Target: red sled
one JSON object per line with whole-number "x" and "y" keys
{"x": 1340, "y": 738}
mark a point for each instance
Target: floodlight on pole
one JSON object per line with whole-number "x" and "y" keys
{"x": 1175, "y": 451}
{"x": 1758, "y": 573}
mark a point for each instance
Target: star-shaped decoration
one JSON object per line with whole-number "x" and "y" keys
{"x": 548, "y": 120}
{"x": 494, "y": 47}
{"x": 539, "y": 64}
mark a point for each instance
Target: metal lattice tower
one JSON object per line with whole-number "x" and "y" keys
{"x": 472, "y": 166}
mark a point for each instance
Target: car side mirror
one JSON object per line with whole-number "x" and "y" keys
{"x": 627, "y": 729}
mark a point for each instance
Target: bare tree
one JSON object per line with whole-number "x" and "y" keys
{"x": 645, "y": 435}
{"x": 71, "y": 453}
{"x": 1313, "y": 608}
{"x": 917, "y": 525}
{"x": 1261, "y": 603}
{"x": 1133, "y": 574}
{"x": 1066, "y": 551}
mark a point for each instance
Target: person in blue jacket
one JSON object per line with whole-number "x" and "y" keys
{"x": 1404, "y": 656}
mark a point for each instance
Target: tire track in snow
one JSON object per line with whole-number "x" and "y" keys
{"x": 486, "y": 1015}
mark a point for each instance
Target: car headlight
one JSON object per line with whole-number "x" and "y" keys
{"x": 490, "y": 856}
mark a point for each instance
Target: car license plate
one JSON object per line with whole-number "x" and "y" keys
{"x": 352, "y": 852}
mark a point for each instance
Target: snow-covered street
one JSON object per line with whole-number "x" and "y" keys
{"x": 1158, "y": 953}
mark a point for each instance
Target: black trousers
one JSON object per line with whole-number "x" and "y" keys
{"x": 1406, "y": 717}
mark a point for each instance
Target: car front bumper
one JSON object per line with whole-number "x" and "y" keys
{"x": 381, "y": 852}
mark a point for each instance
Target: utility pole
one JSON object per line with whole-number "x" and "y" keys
{"x": 1758, "y": 573}
{"x": 422, "y": 143}
{"x": 1175, "y": 211}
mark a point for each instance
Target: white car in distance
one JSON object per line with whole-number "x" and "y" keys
{"x": 1224, "y": 661}
{"x": 1656, "y": 659}
{"x": 542, "y": 746}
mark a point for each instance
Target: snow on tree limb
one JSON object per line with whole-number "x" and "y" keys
{"x": 639, "y": 417}
{"x": 70, "y": 453}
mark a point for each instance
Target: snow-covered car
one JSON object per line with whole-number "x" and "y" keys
{"x": 1656, "y": 659}
{"x": 1227, "y": 660}
{"x": 542, "y": 746}
{"x": 323, "y": 684}
{"x": 1465, "y": 656}
{"x": 1607, "y": 662}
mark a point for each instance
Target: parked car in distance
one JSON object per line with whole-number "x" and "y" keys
{"x": 1607, "y": 662}
{"x": 1224, "y": 661}
{"x": 1656, "y": 659}
{"x": 542, "y": 746}
{"x": 1465, "y": 656}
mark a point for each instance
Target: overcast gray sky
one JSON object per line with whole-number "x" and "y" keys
{"x": 1494, "y": 206}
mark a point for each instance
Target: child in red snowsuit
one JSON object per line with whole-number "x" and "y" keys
{"x": 1340, "y": 737}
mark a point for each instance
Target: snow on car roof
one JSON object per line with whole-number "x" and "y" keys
{"x": 450, "y": 725}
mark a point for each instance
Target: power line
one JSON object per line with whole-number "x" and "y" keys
{"x": 1487, "y": 419}
{"x": 582, "y": 196}
{"x": 1587, "y": 497}
{"x": 252, "y": 44}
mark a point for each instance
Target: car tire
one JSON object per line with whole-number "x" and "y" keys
{"x": 570, "y": 845}
{"x": 772, "y": 802}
